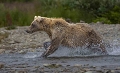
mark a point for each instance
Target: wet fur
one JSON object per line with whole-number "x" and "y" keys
{"x": 66, "y": 34}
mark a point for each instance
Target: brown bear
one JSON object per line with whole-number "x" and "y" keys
{"x": 66, "y": 34}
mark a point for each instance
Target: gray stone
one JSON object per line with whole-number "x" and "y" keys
{"x": 1, "y": 65}
{"x": 2, "y": 50}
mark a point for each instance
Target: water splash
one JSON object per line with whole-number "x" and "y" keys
{"x": 32, "y": 55}
{"x": 112, "y": 48}
{"x": 71, "y": 52}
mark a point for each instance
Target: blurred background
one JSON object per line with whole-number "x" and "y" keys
{"x": 22, "y": 12}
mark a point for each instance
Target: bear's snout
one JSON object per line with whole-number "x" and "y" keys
{"x": 28, "y": 31}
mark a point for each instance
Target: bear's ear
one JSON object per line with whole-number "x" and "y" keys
{"x": 40, "y": 19}
{"x": 35, "y": 17}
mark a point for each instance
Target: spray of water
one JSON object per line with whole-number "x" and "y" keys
{"x": 112, "y": 48}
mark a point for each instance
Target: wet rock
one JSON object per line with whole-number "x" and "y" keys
{"x": 22, "y": 52}
{"x": 82, "y": 71}
{"x": 36, "y": 66}
{"x": 63, "y": 62}
{"x": 52, "y": 65}
{"x": 86, "y": 69}
{"x": 89, "y": 72}
{"x": 46, "y": 65}
{"x": 107, "y": 71}
{"x": 2, "y": 50}
{"x": 1, "y": 65}
{"x": 118, "y": 68}
{"x": 93, "y": 66}
{"x": 112, "y": 71}
{"x": 11, "y": 42}
{"x": 67, "y": 65}
{"x": 78, "y": 65}
{"x": 7, "y": 51}
{"x": 21, "y": 71}
{"x": 86, "y": 65}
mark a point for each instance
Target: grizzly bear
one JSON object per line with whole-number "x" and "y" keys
{"x": 66, "y": 34}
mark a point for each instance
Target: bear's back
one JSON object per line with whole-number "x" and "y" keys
{"x": 75, "y": 35}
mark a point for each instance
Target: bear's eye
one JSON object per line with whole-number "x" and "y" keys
{"x": 33, "y": 25}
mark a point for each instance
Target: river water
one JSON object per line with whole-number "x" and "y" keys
{"x": 62, "y": 56}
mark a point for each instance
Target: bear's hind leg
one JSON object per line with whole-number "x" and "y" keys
{"x": 46, "y": 44}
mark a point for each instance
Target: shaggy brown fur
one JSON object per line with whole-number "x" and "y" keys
{"x": 66, "y": 34}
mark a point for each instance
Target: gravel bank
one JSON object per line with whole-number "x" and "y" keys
{"x": 19, "y": 40}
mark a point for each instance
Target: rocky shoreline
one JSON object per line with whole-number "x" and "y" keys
{"x": 18, "y": 39}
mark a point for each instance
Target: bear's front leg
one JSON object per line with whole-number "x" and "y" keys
{"x": 52, "y": 48}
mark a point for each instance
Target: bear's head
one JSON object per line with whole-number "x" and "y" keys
{"x": 46, "y": 24}
{"x": 39, "y": 24}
